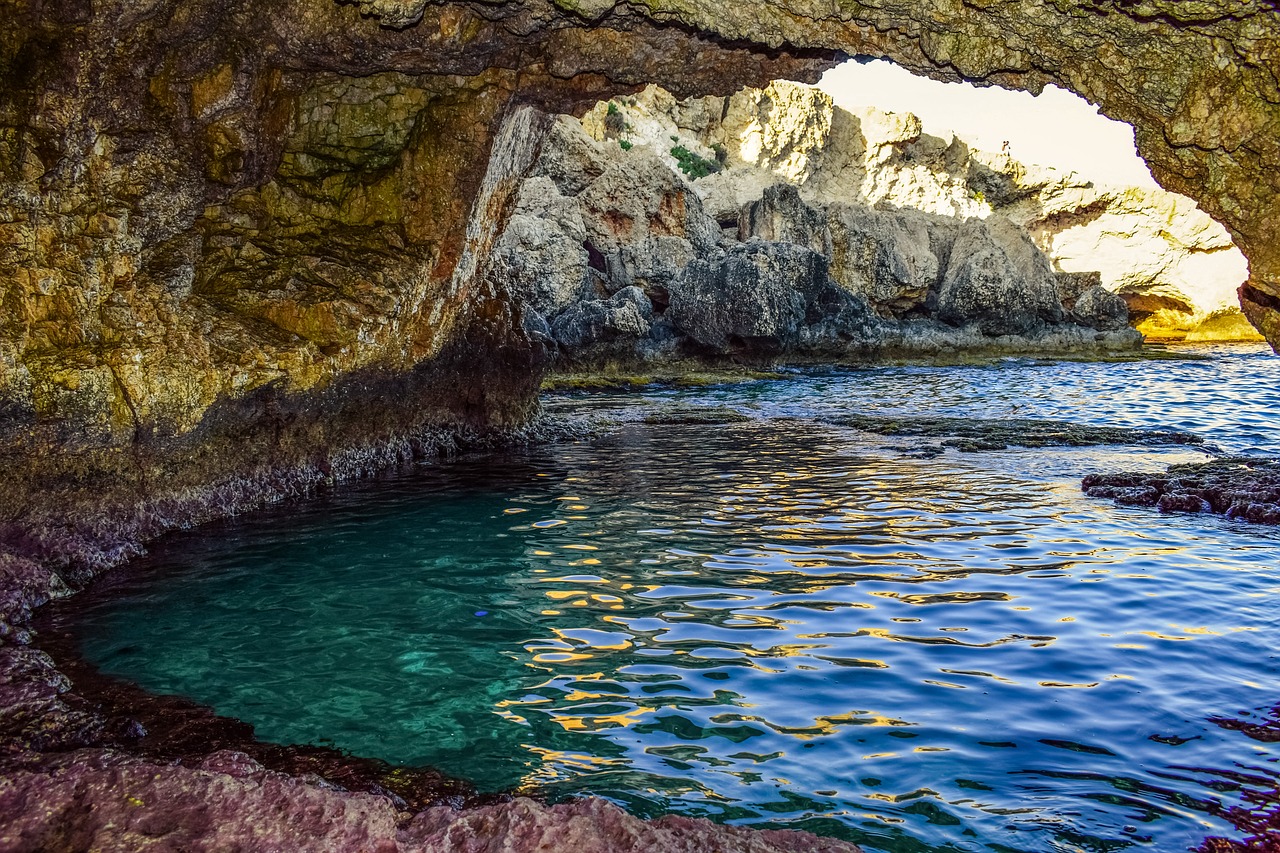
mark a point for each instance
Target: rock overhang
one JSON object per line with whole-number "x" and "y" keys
{"x": 1197, "y": 80}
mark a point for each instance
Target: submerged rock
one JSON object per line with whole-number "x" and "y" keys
{"x": 676, "y": 415}
{"x": 974, "y": 434}
{"x": 1240, "y": 487}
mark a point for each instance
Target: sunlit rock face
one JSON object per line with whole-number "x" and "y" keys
{"x": 656, "y": 231}
{"x": 1176, "y": 266}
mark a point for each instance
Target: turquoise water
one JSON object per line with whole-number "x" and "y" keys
{"x": 775, "y": 622}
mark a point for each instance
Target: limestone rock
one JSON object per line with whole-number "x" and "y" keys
{"x": 746, "y": 300}
{"x": 780, "y": 216}
{"x": 886, "y": 257}
{"x": 541, "y": 256}
{"x": 599, "y": 329}
{"x": 997, "y": 279}
{"x": 645, "y": 221}
{"x": 788, "y": 274}
{"x": 1175, "y": 266}
{"x": 101, "y": 800}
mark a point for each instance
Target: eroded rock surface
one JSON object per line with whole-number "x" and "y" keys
{"x": 243, "y": 249}
{"x": 1196, "y": 80}
{"x": 1243, "y": 488}
{"x": 110, "y": 802}
{"x": 657, "y": 230}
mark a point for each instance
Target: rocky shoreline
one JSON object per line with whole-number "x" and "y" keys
{"x": 77, "y": 749}
{"x": 620, "y": 252}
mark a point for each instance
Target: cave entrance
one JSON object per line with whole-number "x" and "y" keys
{"x": 842, "y": 220}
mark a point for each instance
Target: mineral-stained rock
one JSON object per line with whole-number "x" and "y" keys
{"x": 594, "y": 825}
{"x": 646, "y": 222}
{"x": 1245, "y": 488}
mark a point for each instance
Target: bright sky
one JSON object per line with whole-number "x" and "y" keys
{"x": 1057, "y": 128}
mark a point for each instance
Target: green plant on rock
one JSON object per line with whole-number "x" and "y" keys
{"x": 693, "y": 165}
{"x": 624, "y": 144}
{"x": 613, "y": 109}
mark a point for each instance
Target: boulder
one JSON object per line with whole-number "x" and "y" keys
{"x": 570, "y": 158}
{"x": 645, "y": 221}
{"x": 885, "y": 257}
{"x": 780, "y": 216}
{"x": 1100, "y": 309}
{"x": 747, "y": 300}
{"x": 997, "y": 279}
{"x": 599, "y": 329}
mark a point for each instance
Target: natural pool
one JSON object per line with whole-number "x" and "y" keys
{"x": 777, "y": 621}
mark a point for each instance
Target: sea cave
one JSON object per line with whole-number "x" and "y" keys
{"x": 552, "y": 425}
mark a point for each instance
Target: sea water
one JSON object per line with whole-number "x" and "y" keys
{"x": 775, "y": 622}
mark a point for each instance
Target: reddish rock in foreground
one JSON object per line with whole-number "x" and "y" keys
{"x": 105, "y": 801}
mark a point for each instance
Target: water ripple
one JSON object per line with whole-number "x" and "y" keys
{"x": 773, "y": 622}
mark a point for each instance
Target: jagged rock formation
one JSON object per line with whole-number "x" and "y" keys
{"x": 1247, "y": 488}
{"x": 1176, "y": 268}
{"x": 618, "y": 261}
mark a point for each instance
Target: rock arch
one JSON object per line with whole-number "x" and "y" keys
{"x": 1200, "y": 82}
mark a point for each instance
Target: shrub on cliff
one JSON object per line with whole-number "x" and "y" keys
{"x": 693, "y": 165}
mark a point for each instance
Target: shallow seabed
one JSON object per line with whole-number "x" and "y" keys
{"x": 778, "y": 621}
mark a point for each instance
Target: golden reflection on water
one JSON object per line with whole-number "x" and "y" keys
{"x": 779, "y": 621}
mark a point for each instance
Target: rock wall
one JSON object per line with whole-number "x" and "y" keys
{"x": 622, "y": 264}
{"x": 242, "y": 245}
{"x": 246, "y": 241}
{"x": 772, "y": 224}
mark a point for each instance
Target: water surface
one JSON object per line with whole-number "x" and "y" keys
{"x": 776, "y": 622}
